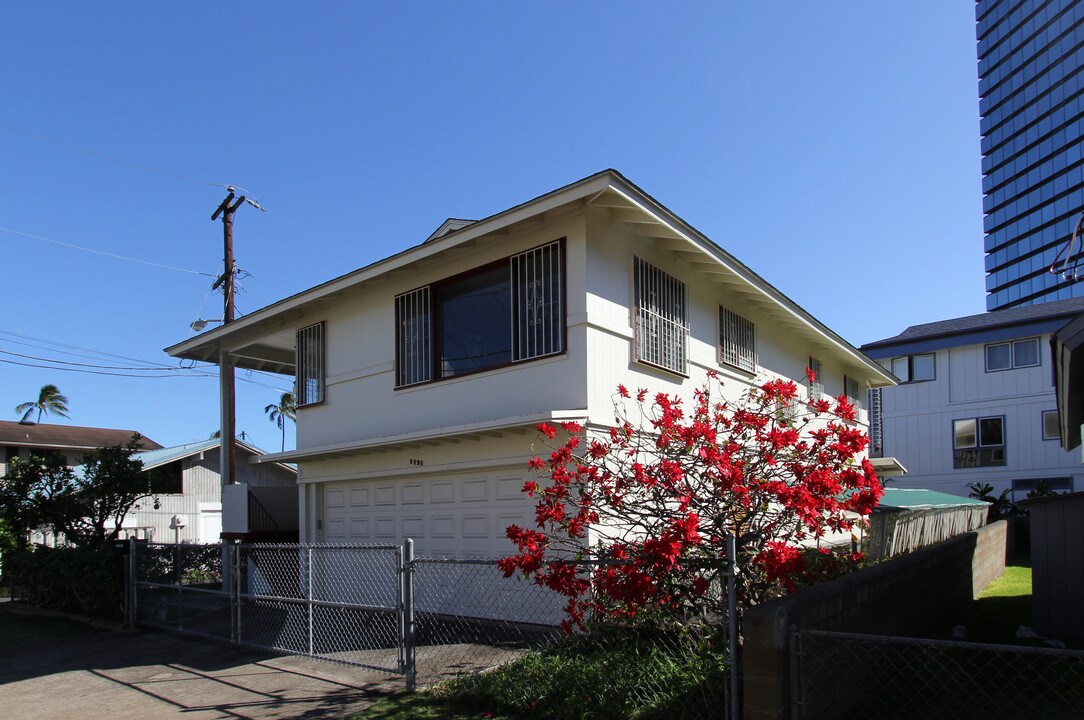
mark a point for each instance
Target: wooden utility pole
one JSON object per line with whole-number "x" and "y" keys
{"x": 226, "y": 369}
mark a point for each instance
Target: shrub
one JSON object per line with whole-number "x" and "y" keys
{"x": 68, "y": 579}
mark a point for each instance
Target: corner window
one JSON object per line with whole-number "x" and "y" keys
{"x": 1009, "y": 355}
{"x": 310, "y": 365}
{"x": 978, "y": 442}
{"x": 915, "y": 368}
{"x": 816, "y": 386}
{"x": 1051, "y": 425}
{"x": 503, "y": 313}
{"x": 662, "y": 326}
{"x": 853, "y": 389}
{"x": 737, "y": 341}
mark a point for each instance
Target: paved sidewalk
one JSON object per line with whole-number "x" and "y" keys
{"x": 107, "y": 674}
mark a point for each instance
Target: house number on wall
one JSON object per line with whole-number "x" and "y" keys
{"x": 415, "y": 461}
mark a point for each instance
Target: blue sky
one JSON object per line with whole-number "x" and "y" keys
{"x": 832, "y": 147}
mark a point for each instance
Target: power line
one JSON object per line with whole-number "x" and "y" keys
{"x": 102, "y": 252}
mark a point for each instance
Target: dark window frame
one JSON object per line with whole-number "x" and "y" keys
{"x": 910, "y": 360}
{"x": 1057, "y": 421}
{"x": 981, "y": 454}
{"x": 434, "y": 345}
{"x": 1013, "y": 364}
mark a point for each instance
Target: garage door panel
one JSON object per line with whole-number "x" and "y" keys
{"x": 464, "y": 516}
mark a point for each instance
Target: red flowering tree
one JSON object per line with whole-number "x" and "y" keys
{"x": 653, "y": 499}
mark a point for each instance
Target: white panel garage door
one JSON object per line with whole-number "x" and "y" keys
{"x": 453, "y": 516}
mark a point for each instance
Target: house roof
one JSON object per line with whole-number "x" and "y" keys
{"x": 984, "y": 327}
{"x": 66, "y": 437}
{"x": 918, "y": 499}
{"x": 264, "y": 340}
{"x": 163, "y": 456}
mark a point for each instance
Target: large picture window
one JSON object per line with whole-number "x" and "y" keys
{"x": 310, "y": 365}
{"x": 505, "y": 312}
{"x": 737, "y": 341}
{"x": 978, "y": 442}
{"x": 662, "y": 327}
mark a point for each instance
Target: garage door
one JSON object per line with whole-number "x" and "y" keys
{"x": 458, "y": 516}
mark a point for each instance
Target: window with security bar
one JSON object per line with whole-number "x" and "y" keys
{"x": 737, "y": 341}
{"x": 502, "y": 313}
{"x": 662, "y": 326}
{"x": 852, "y": 388}
{"x": 310, "y": 365}
{"x": 876, "y": 423}
{"x": 816, "y": 385}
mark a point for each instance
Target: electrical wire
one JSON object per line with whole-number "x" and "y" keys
{"x": 102, "y": 252}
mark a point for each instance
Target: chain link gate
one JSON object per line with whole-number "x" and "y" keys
{"x": 336, "y": 602}
{"x": 379, "y": 607}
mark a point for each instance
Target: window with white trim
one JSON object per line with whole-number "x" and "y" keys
{"x": 1010, "y": 355}
{"x": 876, "y": 422}
{"x": 505, "y": 312}
{"x": 914, "y": 368}
{"x": 1051, "y": 425}
{"x": 662, "y": 325}
{"x": 816, "y": 385}
{"x": 978, "y": 442}
{"x": 310, "y": 365}
{"x": 737, "y": 341}
{"x": 852, "y": 388}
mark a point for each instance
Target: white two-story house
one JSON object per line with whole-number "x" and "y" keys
{"x": 420, "y": 378}
{"x": 976, "y": 402}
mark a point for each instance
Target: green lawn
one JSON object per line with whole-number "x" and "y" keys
{"x": 1004, "y": 606}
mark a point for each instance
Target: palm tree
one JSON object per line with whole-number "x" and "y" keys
{"x": 277, "y": 414}
{"x": 50, "y": 400}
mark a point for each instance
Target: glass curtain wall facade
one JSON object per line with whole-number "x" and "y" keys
{"x": 1031, "y": 89}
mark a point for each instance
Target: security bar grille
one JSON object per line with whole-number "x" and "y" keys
{"x": 537, "y": 285}
{"x": 737, "y": 341}
{"x": 310, "y": 364}
{"x": 415, "y": 352}
{"x": 662, "y": 327}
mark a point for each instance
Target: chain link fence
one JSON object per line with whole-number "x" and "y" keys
{"x": 851, "y": 675}
{"x": 440, "y": 622}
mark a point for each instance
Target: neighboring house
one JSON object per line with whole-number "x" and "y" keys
{"x": 21, "y": 440}
{"x": 420, "y": 378}
{"x": 186, "y": 481}
{"x": 976, "y": 402}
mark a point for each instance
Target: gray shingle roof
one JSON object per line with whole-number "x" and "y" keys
{"x": 985, "y": 321}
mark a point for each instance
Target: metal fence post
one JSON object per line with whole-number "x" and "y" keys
{"x": 133, "y": 580}
{"x": 177, "y": 582}
{"x": 406, "y": 614}
{"x": 308, "y": 596}
{"x": 235, "y": 594}
{"x": 732, "y": 626}
{"x": 796, "y": 705}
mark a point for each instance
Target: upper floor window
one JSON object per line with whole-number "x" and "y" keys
{"x": 914, "y": 368}
{"x": 852, "y": 388}
{"x": 505, "y": 312}
{"x": 1051, "y": 425}
{"x": 978, "y": 442}
{"x": 662, "y": 326}
{"x": 310, "y": 364}
{"x": 1009, "y": 355}
{"x": 737, "y": 341}
{"x": 816, "y": 385}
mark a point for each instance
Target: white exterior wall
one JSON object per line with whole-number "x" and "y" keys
{"x": 361, "y": 399}
{"x": 456, "y": 497}
{"x": 918, "y": 420}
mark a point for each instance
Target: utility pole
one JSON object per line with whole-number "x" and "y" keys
{"x": 228, "y": 462}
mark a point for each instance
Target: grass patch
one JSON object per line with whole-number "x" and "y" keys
{"x": 18, "y": 628}
{"x": 665, "y": 677}
{"x": 1003, "y": 606}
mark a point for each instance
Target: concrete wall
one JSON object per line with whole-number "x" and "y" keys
{"x": 915, "y": 595}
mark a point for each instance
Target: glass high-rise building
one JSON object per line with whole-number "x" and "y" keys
{"x": 1031, "y": 89}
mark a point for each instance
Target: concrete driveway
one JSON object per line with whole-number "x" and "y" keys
{"x": 106, "y": 674}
